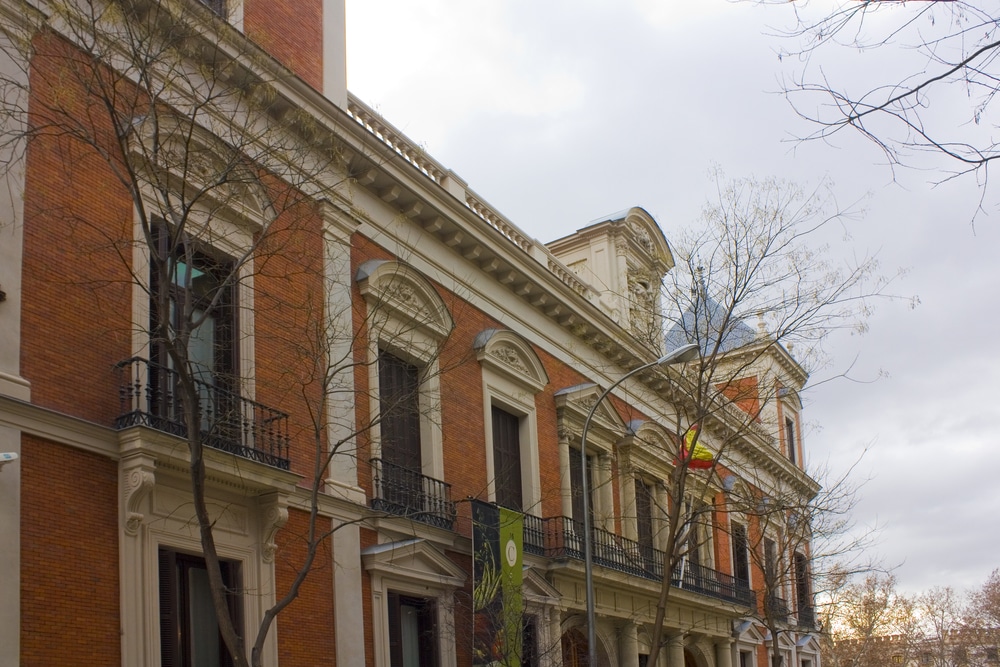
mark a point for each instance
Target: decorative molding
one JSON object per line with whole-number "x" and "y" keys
{"x": 138, "y": 480}
{"x": 274, "y": 516}
{"x": 404, "y": 294}
{"x": 510, "y": 355}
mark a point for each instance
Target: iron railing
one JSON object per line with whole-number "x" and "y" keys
{"x": 399, "y": 490}
{"x": 776, "y": 608}
{"x": 562, "y": 537}
{"x": 150, "y": 397}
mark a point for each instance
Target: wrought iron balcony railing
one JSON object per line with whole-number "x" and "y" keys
{"x": 776, "y": 608}
{"x": 562, "y": 537}
{"x": 150, "y": 397}
{"x": 806, "y": 617}
{"x": 405, "y": 492}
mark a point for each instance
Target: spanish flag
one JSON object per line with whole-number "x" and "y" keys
{"x": 700, "y": 457}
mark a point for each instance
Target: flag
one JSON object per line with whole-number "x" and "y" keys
{"x": 700, "y": 456}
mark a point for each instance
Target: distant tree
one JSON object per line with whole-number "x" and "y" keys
{"x": 871, "y": 624}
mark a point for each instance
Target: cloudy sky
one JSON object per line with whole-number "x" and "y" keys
{"x": 559, "y": 112}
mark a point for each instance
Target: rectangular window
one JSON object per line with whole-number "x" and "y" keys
{"x": 803, "y": 599}
{"x": 529, "y": 642}
{"x": 507, "y": 458}
{"x": 412, "y": 631}
{"x": 771, "y": 565}
{"x": 197, "y": 300}
{"x": 746, "y": 659}
{"x": 790, "y": 438}
{"x": 217, "y": 6}
{"x": 189, "y": 630}
{"x": 644, "y": 518}
{"x": 576, "y": 472}
{"x": 399, "y": 423}
{"x": 741, "y": 554}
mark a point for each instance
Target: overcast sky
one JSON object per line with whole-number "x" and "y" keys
{"x": 559, "y": 112}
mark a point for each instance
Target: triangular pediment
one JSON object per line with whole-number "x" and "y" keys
{"x": 415, "y": 559}
{"x": 748, "y": 631}
{"x": 808, "y": 643}
{"x": 537, "y": 589}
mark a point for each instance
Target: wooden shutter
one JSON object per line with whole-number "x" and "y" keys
{"x": 507, "y": 459}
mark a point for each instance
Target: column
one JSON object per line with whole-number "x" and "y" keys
{"x": 565, "y": 485}
{"x": 335, "y": 52}
{"x": 724, "y": 653}
{"x": 675, "y": 651}
{"x": 629, "y": 646}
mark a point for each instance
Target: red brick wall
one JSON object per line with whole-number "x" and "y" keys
{"x": 76, "y": 314}
{"x": 305, "y": 628}
{"x": 69, "y": 557}
{"x": 290, "y": 348}
{"x": 291, "y": 31}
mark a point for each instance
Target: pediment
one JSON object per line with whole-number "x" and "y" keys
{"x": 650, "y": 447}
{"x": 747, "y": 631}
{"x": 415, "y": 559}
{"x": 401, "y": 292}
{"x": 808, "y": 643}
{"x": 573, "y": 404}
{"x": 508, "y": 354}
{"x": 646, "y": 236}
{"x": 537, "y": 589}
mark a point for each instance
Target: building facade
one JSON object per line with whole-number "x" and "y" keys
{"x": 370, "y": 348}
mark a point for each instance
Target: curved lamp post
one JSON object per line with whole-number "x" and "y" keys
{"x": 680, "y": 355}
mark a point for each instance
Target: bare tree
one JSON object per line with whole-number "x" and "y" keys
{"x": 933, "y": 91}
{"x": 180, "y": 117}
{"x": 759, "y": 257}
{"x": 799, "y": 547}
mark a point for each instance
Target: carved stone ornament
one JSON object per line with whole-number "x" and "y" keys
{"x": 641, "y": 237}
{"x": 509, "y": 356}
{"x": 275, "y": 516}
{"x": 138, "y": 483}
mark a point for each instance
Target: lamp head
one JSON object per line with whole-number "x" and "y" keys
{"x": 681, "y": 355}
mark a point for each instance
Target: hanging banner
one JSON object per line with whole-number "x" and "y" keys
{"x": 498, "y": 605}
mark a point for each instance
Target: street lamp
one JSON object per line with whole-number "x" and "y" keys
{"x": 680, "y": 355}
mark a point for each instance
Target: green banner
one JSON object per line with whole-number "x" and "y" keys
{"x": 498, "y": 572}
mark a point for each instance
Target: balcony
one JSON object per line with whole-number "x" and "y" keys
{"x": 404, "y": 492}
{"x": 776, "y": 608}
{"x": 561, "y": 537}
{"x": 149, "y": 397}
{"x": 807, "y": 617}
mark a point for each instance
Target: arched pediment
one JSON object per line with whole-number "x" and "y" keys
{"x": 650, "y": 447}
{"x": 510, "y": 355}
{"x": 646, "y": 235}
{"x": 573, "y": 404}
{"x": 405, "y": 295}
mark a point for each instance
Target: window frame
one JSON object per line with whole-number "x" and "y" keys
{"x": 181, "y": 564}
{"x": 512, "y": 377}
{"x": 407, "y": 318}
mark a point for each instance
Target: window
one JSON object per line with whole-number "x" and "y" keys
{"x": 217, "y": 6}
{"x": 576, "y": 472}
{"x": 399, "y": 403}
{"x": 746, "y": 659}
{"x": 198, "y": 299}
{"x": 412, "y": 631}
{"x": 189, "y": 631}
{"x": 644, "y": 519}
{"x": 803, "y": 600}
{"x": 529, "y": 642}
{"x": 507, "y": 458}
{"x": 699, "y": 533}
{"x": 771, "y": 565}
{"x": 512, "y": 376}
{"x": 741, "y": 554}
{"x": 790, "y": 438}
